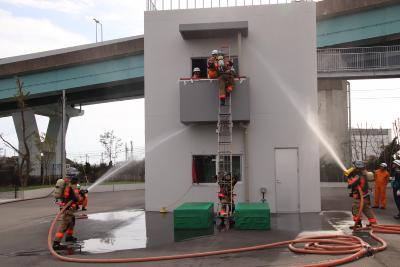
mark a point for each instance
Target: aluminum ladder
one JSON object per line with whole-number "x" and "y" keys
{"x": 224, "y": 159}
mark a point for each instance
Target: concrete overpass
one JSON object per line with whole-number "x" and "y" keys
{"x": 114, "y": 70}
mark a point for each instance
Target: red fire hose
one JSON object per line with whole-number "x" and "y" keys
{"x": 322, "y": 244}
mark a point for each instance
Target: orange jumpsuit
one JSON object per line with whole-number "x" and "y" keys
{"x": 381, "y": 181}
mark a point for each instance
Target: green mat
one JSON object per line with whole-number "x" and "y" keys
{"x": 252, "y": 216}
{"x": 194, "y": 215}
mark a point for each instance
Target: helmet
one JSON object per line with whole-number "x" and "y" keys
{"x": 359, "y": 164}
{"x": 196, "y": 69}
{"x": 397, "y": 162}
{"x": 383, "y": 165}
{"x": 214, "y": 52}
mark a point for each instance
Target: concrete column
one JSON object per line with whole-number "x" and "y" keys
{"x": 31, "y": 135}
{"x": 53, "y": 139}
{"x": 333, "y": 120}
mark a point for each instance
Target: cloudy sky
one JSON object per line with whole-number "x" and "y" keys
{"x": 29, "y": 26}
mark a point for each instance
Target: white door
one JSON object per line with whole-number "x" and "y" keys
{"x": 286, "y": 180}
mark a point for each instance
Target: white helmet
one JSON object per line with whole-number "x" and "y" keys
{"x": 383, "y": 165}
{"x": 214, "y": 52}
{"x": 196, "y": 69}
{"x": 397, "y": 162}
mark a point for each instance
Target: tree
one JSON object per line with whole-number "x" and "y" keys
{"x": 111, "y": 144}
{"x": 24, "y": 163}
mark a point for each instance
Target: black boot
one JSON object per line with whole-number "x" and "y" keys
{"x": 357, "y": 225}
{"x": 57, "y": 245}
{"x": 84, "y": 209}
{"x": 70, "y": 238}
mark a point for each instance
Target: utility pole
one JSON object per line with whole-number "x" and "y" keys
{"x": 131, "y": 149}
{"x": 63, "y": 159}
{"x": 126, "y": 152}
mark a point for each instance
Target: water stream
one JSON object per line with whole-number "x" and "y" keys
{"x": 301, "y": 106}
{"x": 149, "y": 148}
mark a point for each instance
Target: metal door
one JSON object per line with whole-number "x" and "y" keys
{"x": 286, "y": 180}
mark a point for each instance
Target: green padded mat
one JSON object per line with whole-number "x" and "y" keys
{"x": 252, "y": 216}
{"x": 194, "y": 215}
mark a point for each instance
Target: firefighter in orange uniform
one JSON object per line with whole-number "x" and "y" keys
{"x": 381, "y": 181}
{"x": 68, "y": 218}
{"x": 357, "y": 180}
{"x": 212, "y": 65}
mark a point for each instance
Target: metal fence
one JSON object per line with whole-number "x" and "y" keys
{"x": 159, "y": 5}
{"x": 358, "y": 59}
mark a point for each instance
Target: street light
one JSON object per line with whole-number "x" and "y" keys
{"x": 101, "y": 29}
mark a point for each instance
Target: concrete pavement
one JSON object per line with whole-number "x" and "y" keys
{"x": 24, "y": 226}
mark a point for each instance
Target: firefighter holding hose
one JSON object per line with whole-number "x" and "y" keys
{"x": 68, "y": 218}
{"x": 357, "y": 182}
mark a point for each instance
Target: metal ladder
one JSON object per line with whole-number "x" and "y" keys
{"x": 224, "y": 157}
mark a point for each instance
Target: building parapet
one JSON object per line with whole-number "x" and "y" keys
{"x": 162, "y": 5}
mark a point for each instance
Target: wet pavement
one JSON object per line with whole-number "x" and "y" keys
{"x": 117, "y": 226}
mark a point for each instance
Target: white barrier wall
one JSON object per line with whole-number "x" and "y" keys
{"x": 278, "y": 56}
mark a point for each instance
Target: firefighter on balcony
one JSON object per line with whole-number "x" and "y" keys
{"x": 357, "y": 181}
{"x": 68, "y": 218}
{"x": 212, "y": 65}
{"x": 196, "y": 73}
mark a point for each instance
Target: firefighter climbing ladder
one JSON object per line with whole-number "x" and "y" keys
{"x": 224, "y": 158}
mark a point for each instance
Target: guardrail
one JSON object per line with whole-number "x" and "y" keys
{"x": 160, "y": 5}
{"x": 358, "y": 59}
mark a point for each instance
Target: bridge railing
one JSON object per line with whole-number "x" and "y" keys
{"x": 358, "y": 59}
{"x": 159, "y": 5}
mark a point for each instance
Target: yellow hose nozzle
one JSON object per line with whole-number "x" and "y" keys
{"x": 348, "y": 171}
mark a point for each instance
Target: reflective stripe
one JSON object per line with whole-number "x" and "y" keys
{"x": 70, "y": 232}
{"x": 372, "y": 220}
{"x": 59, "y": 234}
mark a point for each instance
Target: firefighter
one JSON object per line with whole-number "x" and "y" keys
{"x": 357, "y": 180}
{"x": 212, "y": 65}
{"x": 82, "y": 196}
{"x": 226, "y": 80}
{"x": 395, "y": 182}
{"x": 68, "y": 217}
{"x": 381, "y": 180}
{"x": 196, "y": 73}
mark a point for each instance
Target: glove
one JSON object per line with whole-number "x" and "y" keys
{"x": 391, "y": 178}
{"x": 82, "y": 192}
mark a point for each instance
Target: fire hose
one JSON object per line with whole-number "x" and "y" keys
{"x": 320, "y": 244}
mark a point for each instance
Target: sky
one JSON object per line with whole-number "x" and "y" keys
{"x": 29, "y": 26}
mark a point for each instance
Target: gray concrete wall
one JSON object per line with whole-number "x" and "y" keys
{"x": 199, "y": 101}
{"x": 283, "y": 92}
{"x": 333, "y": 120}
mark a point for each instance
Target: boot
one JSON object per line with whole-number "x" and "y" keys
{"x": 84, "y": 209}
{"x": 70, "y": 238}
{"x": 356, "y": 225}
{"x": 371, "y": 224}
{"x": 57, "y": 245}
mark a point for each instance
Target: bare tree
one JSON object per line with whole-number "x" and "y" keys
{"x": 111, "y": 144}
{"x": 24, "y": 163}
{"x": 366, "y": 141}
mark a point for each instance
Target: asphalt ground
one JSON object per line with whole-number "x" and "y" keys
{"x": 24, "y": 226}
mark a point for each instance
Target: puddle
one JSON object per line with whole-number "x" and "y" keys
{"x": 127, "y": 231}
{"x": 132, "y": 229}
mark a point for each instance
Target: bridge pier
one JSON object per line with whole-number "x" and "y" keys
{"x": 333, "y": 114}
{"x": 31, "y": 138}
{"x": 46, "y": 155}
